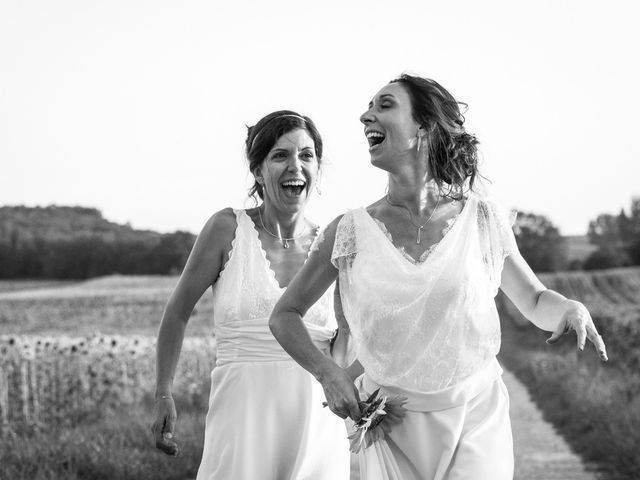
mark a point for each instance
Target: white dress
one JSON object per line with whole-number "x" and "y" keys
{"x": 265, "y": 419}
{"x": 430, "y": 331}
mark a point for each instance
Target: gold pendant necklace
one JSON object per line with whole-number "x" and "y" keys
{"x": 285, "y": 241}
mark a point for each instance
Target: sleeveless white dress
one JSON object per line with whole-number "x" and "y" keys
{"x": 265, "y": 419}
{"x": 430, "y": 331}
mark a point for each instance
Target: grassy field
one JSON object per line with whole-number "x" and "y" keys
{"x": 115, "y": 445}
{"x": 77, "y": 372}
{"x": 77, "y": 375}
{"x": 595, "y": 405}
{"x": 118, "y": 305}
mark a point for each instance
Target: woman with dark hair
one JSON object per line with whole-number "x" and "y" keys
{"x": 265, "y": 418}
{"x": 418, "y": 272}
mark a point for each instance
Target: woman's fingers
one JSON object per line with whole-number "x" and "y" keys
{"x": 598, "y": 342}
{"x": 163, "y": 429}
{"x": 580, "y": 320}
{"x": 346, "y": 407}
{"x": 354, "y": 412}
{"x": 581, "y": 333}
{"x": 342, "y": 395}
{"x": 558, "y": 332}
{"x": 165, "y": 439}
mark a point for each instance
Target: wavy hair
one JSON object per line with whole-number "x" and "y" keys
{"x": 452, "y": 153}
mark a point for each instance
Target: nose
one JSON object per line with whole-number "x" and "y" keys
{"x": 294, "y": 164}
{"x": 366, "y": 118}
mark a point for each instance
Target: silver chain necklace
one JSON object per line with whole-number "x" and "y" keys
{"x": 285, "y": 241}
{"x": 419, "y": 227}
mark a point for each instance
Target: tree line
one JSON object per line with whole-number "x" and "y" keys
{"x": 615, "y": 238}
{"x": 87, "y": 257}
{"x": 78, "y": 243}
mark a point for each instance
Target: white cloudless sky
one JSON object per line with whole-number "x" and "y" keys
{"x": 138, "y": 108}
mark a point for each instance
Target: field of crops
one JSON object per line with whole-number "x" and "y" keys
{"x": 115, "y": 305}
{"x": 595, "y": 405}
{"x": 70, "y": 369}
{"x": 77, "y": 375}
{"x": 64, "y": 380}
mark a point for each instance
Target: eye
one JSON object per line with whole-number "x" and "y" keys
{"x": 280, "y": 155}
{"x": 308, "y": 155}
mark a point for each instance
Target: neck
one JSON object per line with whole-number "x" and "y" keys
{"x": 285, "y": 224}
{"x": 414, "y": 190}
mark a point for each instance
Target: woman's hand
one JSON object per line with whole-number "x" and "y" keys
{"x": 576, "y": 317}
{"x": 163, "y": 426}
{"x": 341, "y": 394}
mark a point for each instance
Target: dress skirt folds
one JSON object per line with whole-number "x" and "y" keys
{"x": 469, "y": 440}
{"x": 265, "y": 419}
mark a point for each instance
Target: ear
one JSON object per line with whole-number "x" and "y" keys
{"x": 422, "y": 131}
{"x": 257, "y": 173}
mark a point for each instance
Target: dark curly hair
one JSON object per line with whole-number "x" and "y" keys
{"x": 452, "y": 152}
{"x": 263, "y": 135}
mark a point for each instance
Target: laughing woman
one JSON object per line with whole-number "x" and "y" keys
{"x": 265, "y": 418}
{"x": 418, "y": 271}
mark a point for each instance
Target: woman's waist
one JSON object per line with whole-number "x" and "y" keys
{"x": 440, "y": 399}
{"x": 245, "y": 343}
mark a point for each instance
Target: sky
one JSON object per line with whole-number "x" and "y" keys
{"x": 138, "y": 108}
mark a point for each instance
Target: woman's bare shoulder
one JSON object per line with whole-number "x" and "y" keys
{"x": 221, "y": 226}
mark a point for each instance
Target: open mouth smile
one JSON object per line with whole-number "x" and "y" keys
{"x": 375, "y": 138}
{"x": 293, "y": 188}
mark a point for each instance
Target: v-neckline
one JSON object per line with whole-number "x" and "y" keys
{"x": 267, "y": 263}
{"x": 401, "y": 251}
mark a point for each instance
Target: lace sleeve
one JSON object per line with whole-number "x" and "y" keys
{"x": 344, "y": 246}
{"x": 317, "y": 241}
{"x": 496, "y": 235}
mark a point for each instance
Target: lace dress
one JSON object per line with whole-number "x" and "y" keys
{"x": 265, "y": 419}
{"x": 429, "y": 331}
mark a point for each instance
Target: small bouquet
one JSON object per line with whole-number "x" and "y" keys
{"x": 379, "y": 414}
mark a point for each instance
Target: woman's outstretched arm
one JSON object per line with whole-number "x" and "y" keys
{"x": 545, "y": 308}
{"x": 286, "y": 324}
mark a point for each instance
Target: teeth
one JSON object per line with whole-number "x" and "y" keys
{"x": 293, "y": 183}
{"x": 375, "y": 134}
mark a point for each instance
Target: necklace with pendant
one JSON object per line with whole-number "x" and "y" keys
{"x": 419, "y": 227}
{"x": 285, "y": 241}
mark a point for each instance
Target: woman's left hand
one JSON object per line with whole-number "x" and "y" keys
{"x": 576, "y": 317}
{"x": 164, "y": 425}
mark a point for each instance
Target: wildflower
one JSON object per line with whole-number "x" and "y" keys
{"x": 379, "y": 414}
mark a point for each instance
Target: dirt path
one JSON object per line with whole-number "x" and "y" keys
{"x": 541, "y": 454}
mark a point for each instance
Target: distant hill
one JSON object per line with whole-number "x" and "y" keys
{"x": 58, "y": 223}
{"x": 78, "y": 242}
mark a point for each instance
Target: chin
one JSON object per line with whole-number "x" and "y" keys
{"x": 295, "y": 206}
{"x": 380, "y": 162}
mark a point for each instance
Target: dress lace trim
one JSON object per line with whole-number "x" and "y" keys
{"x": 233, "y": 245}
{"x": 423, "y": 257}
{"x": 256, "y": 236}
